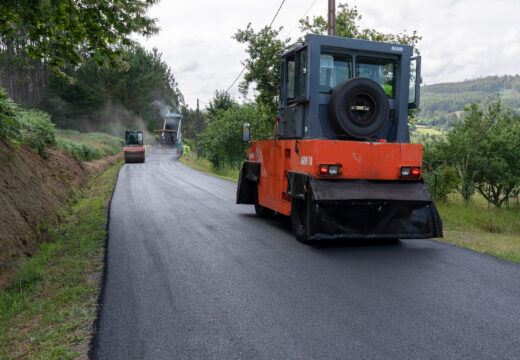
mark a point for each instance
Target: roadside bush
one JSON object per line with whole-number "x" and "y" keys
{"x": 88, "y": 146}
{"x": 37, "y": 131}
{"x": 222, "y": 138}
{"x": 442, "y": 182}
{"x": 190, "y": 143}
{"x": 79, "y": 150}
{"x": 30, "y": 127}
{"x": 9, "y": 121}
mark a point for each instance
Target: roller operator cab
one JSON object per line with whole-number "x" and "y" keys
{"x": 341, "y": 164}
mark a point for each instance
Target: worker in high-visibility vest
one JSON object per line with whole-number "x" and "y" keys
{"x": 389, "y": 90}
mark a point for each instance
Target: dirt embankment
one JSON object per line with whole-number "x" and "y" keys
{"x": 32, "y": 192}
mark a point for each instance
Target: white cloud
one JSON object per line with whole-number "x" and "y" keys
{"x": 461, "y": 39}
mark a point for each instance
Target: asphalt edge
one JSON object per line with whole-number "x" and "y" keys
{"x": 94, "y": 341}
{"x": 207, "y": 172}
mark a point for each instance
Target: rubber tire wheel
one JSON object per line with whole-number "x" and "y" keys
{"x": 354, "y": 123}
{"x": 263, "y": 212}
{"x": 299, "y": 221}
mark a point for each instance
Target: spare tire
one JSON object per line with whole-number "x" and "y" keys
{"x": 359, "y": 108}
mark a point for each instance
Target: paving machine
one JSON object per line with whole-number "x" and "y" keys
{"x": 341, "y": 164}
{"x": 134, "y": 150}
{"x": 170, "y": 134}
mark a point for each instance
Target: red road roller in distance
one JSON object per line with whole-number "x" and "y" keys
{"x": 134, "y": 150}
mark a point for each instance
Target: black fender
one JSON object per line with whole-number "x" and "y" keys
{"x": 248, "y": 180}
{"x": 297, "y": 184}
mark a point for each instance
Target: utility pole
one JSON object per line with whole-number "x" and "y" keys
{"x": 332, "y": 18}
{"x": 198, "y": 130}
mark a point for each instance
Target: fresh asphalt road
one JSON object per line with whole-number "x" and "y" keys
{"x": 191, "y": 275}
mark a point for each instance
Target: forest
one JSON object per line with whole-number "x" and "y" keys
{"x": 441, "y": 104}
{"x": 88, "y": 74}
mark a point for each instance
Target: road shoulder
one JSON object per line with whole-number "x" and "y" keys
{"x": 48, "y": 308}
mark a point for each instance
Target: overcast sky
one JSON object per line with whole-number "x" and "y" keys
{"x": 462, "y": 39}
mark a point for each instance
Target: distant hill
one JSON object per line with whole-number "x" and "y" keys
{"x": 441, "y": 104}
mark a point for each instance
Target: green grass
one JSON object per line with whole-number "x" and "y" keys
{"x": 48, "y": 308}
{"x": 88, "y": 146}
{"x": 477, "y": 215}
{"x": 425, "y": 130}
{"x": 480, "y": 227}
{"x": 203, "y": 164}
{"x": 502, "y": 246}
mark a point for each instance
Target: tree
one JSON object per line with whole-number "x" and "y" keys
{"x": 221, "y": 101}
{"x": 484, "y": 149}
{"x": 500, "y": 176}
{"x": 222, "y": 139}
{"x": 440, "y": 176}
{"x": 263, "y": 65}
{"x": 68, "y": 32}
{"x": 103, "y": 97}
{"x": 9, "y": 121}
{"x": 461, "y": 148}
{"x": 189, "y": 122}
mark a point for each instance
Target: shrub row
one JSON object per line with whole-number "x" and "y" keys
{"x": 81, "y": 151}
{"x": 88, "y": 146}
{"x": 30, "y": 127}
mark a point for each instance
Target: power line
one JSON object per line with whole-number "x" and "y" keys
{"x": 234, "y": 81}
{"x": 304, "y": 14}
{"x": 245, "y": 66}
{"x": 275, "y": 15}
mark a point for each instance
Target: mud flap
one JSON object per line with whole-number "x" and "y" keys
{"x": 248, "y": 179}
{"x": 367, "y": 209}
{"x": 375, "y": 219}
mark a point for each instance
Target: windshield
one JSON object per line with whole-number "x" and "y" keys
{"x": 134, "y": 138}
{"x": 382, "y": 71}
{"x": 334, "y": 69}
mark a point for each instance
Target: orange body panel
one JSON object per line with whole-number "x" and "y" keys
{"x": 359, "y": 160}
{"x": 133, "y": 149}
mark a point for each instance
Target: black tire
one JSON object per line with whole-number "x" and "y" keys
{"x": 263, "y": 212}
{"x": 300, "y": 220}
{"x": 348, "y": 118}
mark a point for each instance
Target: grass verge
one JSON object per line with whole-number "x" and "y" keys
{"x": 88, "y": 146}
{"x": 476, "y": 226}
{"x": 48, "y": 308}
{"x": 204, "y": 165}
{"x": 502, "y": 246}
